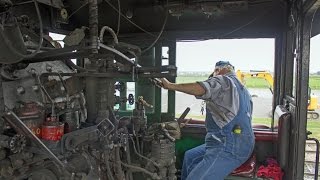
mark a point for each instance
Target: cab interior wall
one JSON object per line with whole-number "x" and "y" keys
{"x": 112, "y": 143}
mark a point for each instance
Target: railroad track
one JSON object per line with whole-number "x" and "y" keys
{"x": 310, "y": 158}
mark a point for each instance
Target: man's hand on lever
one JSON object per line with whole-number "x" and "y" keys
{"x": 189, "y": 88}
{"x": 165, "y": 83}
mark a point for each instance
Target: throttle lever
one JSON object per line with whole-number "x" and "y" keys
{"x": 157, "y": 82}
{"x": 183, "y": 116}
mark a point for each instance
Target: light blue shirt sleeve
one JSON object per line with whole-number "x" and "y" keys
{"x": 221, "y": 94}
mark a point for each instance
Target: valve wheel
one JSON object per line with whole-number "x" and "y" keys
{"x": 17, "y": 143}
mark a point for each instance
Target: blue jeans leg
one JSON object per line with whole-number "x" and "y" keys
{"x": 216, "y": 165}
{"x": 191, "y": 158}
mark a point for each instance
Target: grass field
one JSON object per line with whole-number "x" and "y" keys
{"x": 314, "y": 81}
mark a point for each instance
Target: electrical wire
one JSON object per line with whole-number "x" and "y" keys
{"x": 74, "y": 12}
{"x": 149, "y": 33}
{"x": 119, "y": 18}
{"x": 8, "y": 43}
{"x": 137, "y": 26}
{"x": 245, "y": 25}
{"x": 22, "y": 3}
{"x": 313, "y": 15}
{"x": 159, "y": 35}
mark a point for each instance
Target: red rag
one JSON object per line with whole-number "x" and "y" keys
{"x": 272, "y": 170}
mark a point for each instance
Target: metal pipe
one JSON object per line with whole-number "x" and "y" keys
{"x": 108, "y": 169}
{"x": 91, "y": 96}
{"x": 140, "y": 169}
{"x": 74, "y": 66}
{"x": 129, "y": 173}
{"x": 63, "y": 84}
{"x": 15, "y": 51}
{"x": 48, "y": 96}
{"x": 117, "y": 52}
{"x": 316, "y": 169}
{"x": 141, "y": 156}
{"x": 93, "y": 24}
{"x": 138, "y": 144}
{"x": 118, "y": 167}
{"x": 110, "y": 30}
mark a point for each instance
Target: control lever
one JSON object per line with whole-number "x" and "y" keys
{"x": 181, "y": 118}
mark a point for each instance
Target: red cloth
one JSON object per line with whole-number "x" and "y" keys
{"x": 272, "y": 170}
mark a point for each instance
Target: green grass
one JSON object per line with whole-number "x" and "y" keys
{"x": 256, "y": 83}
{"x": 314, "y": 81}
{"x": 263, "y": 121}
{"x": 312, "y": 125}
{"x": 190, "y": 79}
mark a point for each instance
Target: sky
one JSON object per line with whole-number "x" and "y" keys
{"x": 244, "y": 54}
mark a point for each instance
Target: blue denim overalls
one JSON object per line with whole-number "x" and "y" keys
{"x": 225, "y": 148}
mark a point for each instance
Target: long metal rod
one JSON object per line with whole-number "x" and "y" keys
{"x": 93, "y": 25}
{"x": 119, "y": 75}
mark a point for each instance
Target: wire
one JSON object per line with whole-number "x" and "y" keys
{"x": 74, "y": 12}
{"x": 311, "y": 27}
{"x": 149, "y": 33}
{"x": 8, "y": 43}
{"x": 137, "y": 26}
{"x": 239, "y": 28}
{"x": 159, "y": 35}
{"x": 22, "y": 3}
{"x": 119, "y": 18}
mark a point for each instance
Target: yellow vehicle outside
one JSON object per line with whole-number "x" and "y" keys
{"x": 313, "y": 100}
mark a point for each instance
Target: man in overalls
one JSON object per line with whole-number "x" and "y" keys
{"x": 229, "y": 141}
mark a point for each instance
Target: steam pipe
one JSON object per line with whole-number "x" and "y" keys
{"x": 93, "y": 24}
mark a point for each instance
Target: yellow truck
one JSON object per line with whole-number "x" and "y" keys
{"x": 312, "y": 102}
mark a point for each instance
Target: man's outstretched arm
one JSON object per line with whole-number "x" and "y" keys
{"x": 188, "y": 88}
